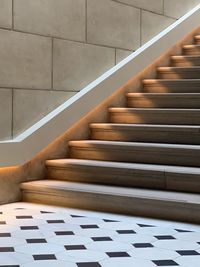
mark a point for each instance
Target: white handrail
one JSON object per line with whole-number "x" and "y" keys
{"x": 33, "y": 140}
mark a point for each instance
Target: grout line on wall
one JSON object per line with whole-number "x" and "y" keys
{"x": 12, "y": 114}
{"x": 140, "y": 27}
{"x": 144, "y": 9}
{"x": 163, "y": 7}
{"x": 115, "y": 56}
{"x": 86, "y": 20}
{"x": 45, "y": 90}
{"x": 12, "y": 14}
{"x": 125, "y": 4}
{"x": 64, "y": 39}
{"x": 52, "y": 62}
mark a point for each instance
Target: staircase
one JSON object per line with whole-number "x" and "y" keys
{"x": 146, "y": 160}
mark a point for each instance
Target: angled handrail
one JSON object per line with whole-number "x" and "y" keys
{"x": 33, "y": 140}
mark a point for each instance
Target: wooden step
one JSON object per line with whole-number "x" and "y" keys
{"x": 160, "y": 100}
{"x": 141, "y": 202}
{"x": 191, "y": 50}
{"x": 155, "y": 116}
{"x": 185, "y": 61}
{"x": 178, "y": 72}
{"x": 148, "y": 153}
{"x": 105, "y": 172}
{"x": 197, "y": 39}
{"x": 171, "y": 86}
{"x": 183, "y": 134}
{"x": 125, "y": 174}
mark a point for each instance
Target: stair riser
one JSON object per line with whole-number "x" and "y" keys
{"x": 128, "y": 178}
{"x": 191, "y": 51}
{"x": 181, "y": 157}
{"x": 145, "y": 135}
{"x": 164, "y": 102}
{"x": 155, "y": 118}
{"x": 179, "y": 74}
{"x": 183, "y": 62}
{"x": 117, "y": 204}
{"x": 120, "y": 177}
{"x": 172, "y": 88}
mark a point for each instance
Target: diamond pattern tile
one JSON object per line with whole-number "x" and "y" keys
{"x": 142, "y": 245}
{"x": 166, "y": 263}
{"x": 33, "y": 235}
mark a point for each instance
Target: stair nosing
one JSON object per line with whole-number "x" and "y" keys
{"x": 164, "y": 110}
{"x": 124, "y": 165}
{"x": 171, "y": 68}
{"x": 142, "y": 94}
{"x": 133, "y": 144}
{"x": 148, "y": 127}
{"x": 147, "y": 81}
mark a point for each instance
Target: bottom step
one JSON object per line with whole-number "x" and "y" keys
{"x": 139, "y": 202}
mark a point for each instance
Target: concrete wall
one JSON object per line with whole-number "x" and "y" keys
{"x": 51, "y": 49}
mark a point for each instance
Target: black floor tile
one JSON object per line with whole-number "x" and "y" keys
{"x": 24, "y": 217}
{"x": 165, "y": 263}
{"x": 36, "y": 241}
{"x": 126, "y": 232}
{"x": 165, "y": 237}
{"x": 7, "y": 249}
{"x": 75, "y": 247}
{"x": 88, "y": 264}
{"x": 64, "y": 233}
{"x": 29, "y": 227}
{"x": 77, "y": 216}
{"x": 89, "y": 226}
{"x": 101, "y": 238}
{"x": 5, "y": 234}
{"x": 55, "y": 221}
{"x": 145, "y": 225}
{"x": 183, "y": 231}
{"x": 143, "y": 245}
{"x": 118, "y": 254}
{"x": 188, "y": 253}
{"x": 41, "y": 257}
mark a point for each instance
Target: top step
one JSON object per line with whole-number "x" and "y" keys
{"x": 197, "y": 39}
{"x": 191, "y": 72}
{"x": 185, "y": 61}
{"x": 171, "y": 86}
{"x": 191, "y": 49}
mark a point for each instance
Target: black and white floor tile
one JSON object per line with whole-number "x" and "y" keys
{"x": 33, "y": 235}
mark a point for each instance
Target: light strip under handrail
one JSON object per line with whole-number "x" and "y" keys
{"x": 25, "y": 146}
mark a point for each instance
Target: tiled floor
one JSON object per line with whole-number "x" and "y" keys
{"x": 34, "y": 235}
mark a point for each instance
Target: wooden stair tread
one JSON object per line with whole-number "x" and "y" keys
{"x": 109, "y": 164}
{"x": 163, "y": 95}
{"x": 191, "y": 46}
{"x": 185, "y": 56}
{"x": 149, "y": 81}
{"x": 158, "y": 110}
{"x": 148, "y": 127}
{"x": 63, "y": 163}
{"x": 46, "y": 186}
{"x": 129, "y": 145}
{"x": 190, "y": 68}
